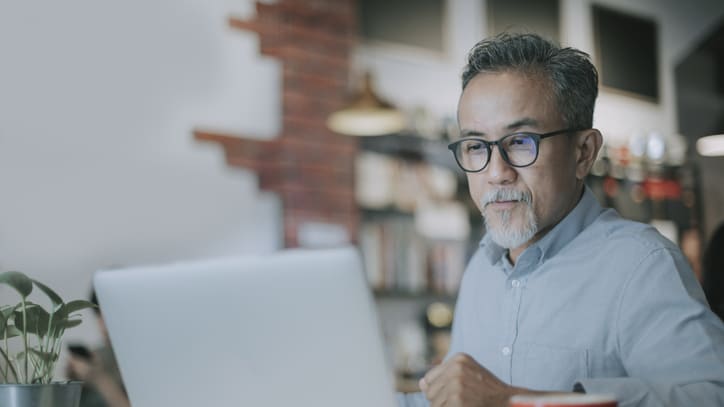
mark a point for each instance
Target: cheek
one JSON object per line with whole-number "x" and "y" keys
{"x": 539, "y": 187}
{"x": 540, "y": 208}
{"x": 475, "y": 188}
{"x": 548, "y": 197}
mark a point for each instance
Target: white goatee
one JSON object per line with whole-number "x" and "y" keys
{"x": 505, "y": 233}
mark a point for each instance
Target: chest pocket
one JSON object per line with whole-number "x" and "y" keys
{"x": 553, "y": 368}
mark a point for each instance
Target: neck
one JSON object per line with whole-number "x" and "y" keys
{"x": 514, "y": 253}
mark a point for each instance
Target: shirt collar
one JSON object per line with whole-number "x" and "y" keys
{"x": 583, "y": 214}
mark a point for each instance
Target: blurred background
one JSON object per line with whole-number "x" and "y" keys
{"x": 153, "y": 131}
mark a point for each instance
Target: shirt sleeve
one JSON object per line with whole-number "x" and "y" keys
{"x": 412, "y": 400}
{"x": 669, "y": 341}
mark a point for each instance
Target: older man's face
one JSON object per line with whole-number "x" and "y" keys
{"x": 518, "y": 203}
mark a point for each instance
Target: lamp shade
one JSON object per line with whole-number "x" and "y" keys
{"x": 711, "y": 146}
{"x": 367, "y": 115}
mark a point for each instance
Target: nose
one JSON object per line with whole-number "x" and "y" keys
{"x": 499, "y": 172}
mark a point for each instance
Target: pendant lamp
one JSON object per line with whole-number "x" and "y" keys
{"x": 367, "y": 115}
{"x": 711, "y": 146}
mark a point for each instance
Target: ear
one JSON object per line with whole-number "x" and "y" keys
{"x": 588, "y": 143}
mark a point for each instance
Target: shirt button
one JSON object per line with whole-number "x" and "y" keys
{"x": 515, "y": 283}
{"x": 506, "y": 351}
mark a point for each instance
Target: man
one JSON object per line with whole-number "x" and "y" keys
{"x": 562, "y": 295}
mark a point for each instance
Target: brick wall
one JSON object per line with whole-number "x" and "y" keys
{"x": 311, "y": 168}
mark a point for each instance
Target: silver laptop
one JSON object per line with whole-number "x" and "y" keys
{"x": 297, "y": 328}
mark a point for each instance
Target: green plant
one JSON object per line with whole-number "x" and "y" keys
{"x": 36, "y": 332}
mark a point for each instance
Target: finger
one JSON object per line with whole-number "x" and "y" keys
{"x": 451, "y": 378}
{"x": 434, "y": 389}
{"x": 77, "y": 360}
{"x": 423, "y": 384}
{"x": 434, "y": 373}
{"x": 462, "y": 359}
{"x": 441, "y": 375}
{"x": 442, "y": 372}
{"x": 72, "y": 362}
{"x": 440, "y": 395}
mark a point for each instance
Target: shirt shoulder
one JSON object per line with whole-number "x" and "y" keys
{"x": 625, "y": 249}
{"x": 611, "y": 231}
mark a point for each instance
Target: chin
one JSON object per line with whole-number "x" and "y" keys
{"x": 511, "y": 238}
{"x": 511, "y": 233}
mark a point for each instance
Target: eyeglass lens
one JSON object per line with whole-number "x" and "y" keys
{"x": 518, "y": 150}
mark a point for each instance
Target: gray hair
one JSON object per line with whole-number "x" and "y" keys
{"x": 571, "y": 75}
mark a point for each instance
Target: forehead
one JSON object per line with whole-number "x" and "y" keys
{"x": 498, "y": 100}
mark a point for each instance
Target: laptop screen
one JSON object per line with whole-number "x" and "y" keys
{"x": 294, "y": 328}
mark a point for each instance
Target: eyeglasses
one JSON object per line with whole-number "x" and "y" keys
{"x": 518, "y": 149}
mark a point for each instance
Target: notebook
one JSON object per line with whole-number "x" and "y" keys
{"x": 296, "y": 328}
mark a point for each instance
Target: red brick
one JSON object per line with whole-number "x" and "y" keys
{"x": 310, "y": 167}
{"x": 301, "y": 103}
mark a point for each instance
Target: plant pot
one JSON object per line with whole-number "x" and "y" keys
{"x": 65, "y": 394}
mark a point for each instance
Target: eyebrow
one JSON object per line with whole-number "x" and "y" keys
{"x": 526, "y": 121}
{"x": 471, "y": 133}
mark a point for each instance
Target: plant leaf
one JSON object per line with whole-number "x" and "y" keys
{"x": 19, "y": 281}
{"x": 6, "y": 313}
{"x": 37, "y": 320}
{"x": 54, "y": 297}
{"x": 3, "y": 324}
{"x": 60, "y": 323}
{"x": 7, "y": 321}
{"x": 77, "y": 305}
{"x": 6, "y": 326}
{"x": 62, "y": 316}
{"x": 11, "y": 330}
{"x": 6, "y": 310}
{"x": 71, "y": 323}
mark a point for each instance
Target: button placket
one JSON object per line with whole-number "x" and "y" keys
{"x": 516, "y": 293}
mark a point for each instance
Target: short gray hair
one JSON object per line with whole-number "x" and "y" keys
{"x": 572, "y": 76}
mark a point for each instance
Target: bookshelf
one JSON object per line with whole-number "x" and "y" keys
{"x": 417, "y": 230}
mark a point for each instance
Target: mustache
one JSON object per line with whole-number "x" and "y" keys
{"x": 505, "y": 195}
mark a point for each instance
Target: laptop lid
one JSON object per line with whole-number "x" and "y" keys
{"x": 296, "y": 328}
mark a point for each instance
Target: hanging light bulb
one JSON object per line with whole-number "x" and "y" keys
{"x": 711, "y": 146}
{"x": 367, "y": 115}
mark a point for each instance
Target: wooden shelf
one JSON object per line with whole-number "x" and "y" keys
{"x": 412, "y": 147}
{"x": 383, "y": 213}
{"x": 408, "y": 295}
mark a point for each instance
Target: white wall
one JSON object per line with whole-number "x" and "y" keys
{"x": 98, "y": 165}
{"x": 413, "y": 77}
{"x": 98, "y": 100}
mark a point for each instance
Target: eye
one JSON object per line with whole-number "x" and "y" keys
{"x": 472, "y": 147}
{"x": 520, "y": 141}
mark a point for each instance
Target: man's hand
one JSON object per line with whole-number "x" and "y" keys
{"x": 93, "y": 372}
{"x": 86, "y": 370}
{"x": 462, "y": 382}
{"x": 79, "y": 368}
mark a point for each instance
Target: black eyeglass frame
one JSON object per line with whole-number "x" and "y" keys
{"x": 488, "y": 146}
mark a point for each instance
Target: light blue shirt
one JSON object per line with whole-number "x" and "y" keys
{"x": 599, "y": 300}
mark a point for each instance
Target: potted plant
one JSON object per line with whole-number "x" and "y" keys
{"x": 30, "y": 342}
